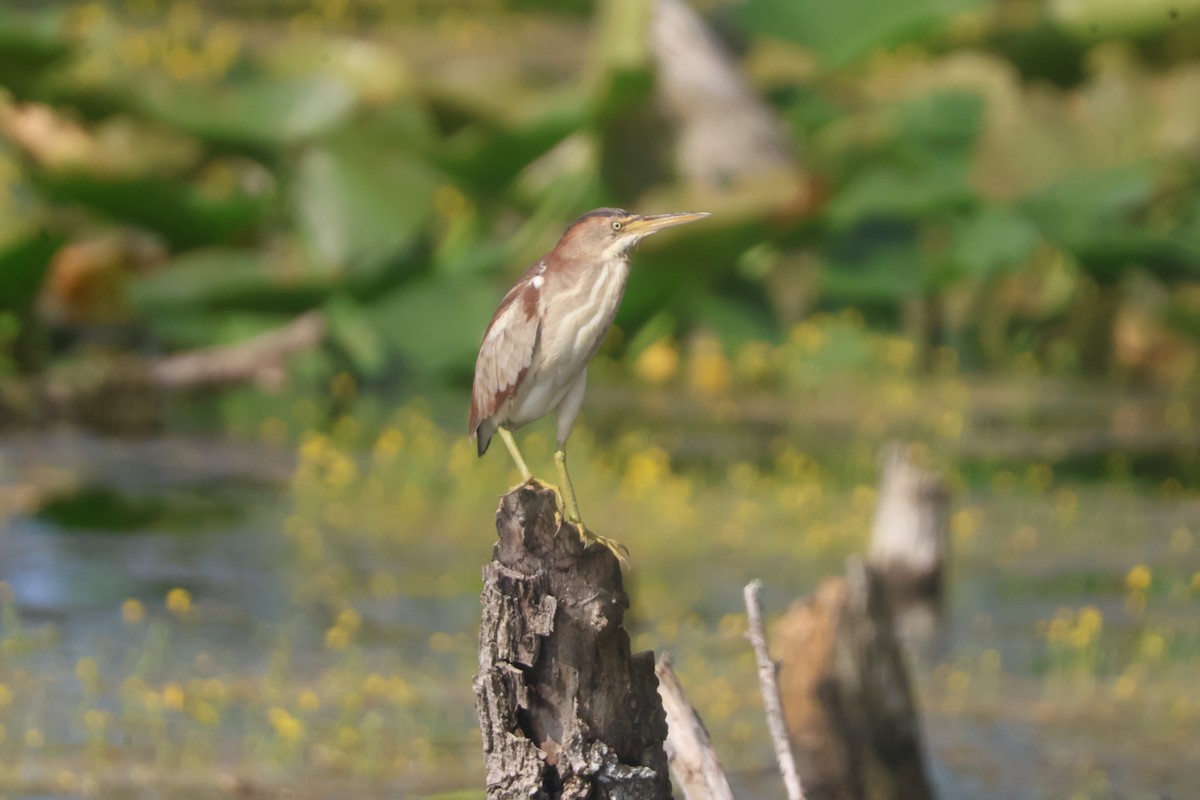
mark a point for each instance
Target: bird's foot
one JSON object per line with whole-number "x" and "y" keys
{"x": 589, "y": 537}
{"x": 537, "y": 483}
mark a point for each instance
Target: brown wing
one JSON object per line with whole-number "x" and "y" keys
{"x": 505, "y": 355}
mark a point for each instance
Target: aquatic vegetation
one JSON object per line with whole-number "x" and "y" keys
{"x": 361, "y": 671}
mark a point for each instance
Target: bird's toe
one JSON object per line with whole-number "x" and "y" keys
{"x": 591, "y": 537}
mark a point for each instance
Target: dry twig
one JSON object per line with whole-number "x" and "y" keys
{"x": 770, "y": 692}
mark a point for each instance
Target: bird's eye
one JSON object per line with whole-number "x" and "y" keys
{"x": 616, "y": 225}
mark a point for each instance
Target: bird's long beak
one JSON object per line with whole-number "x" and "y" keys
{"x": 656, "y": 222}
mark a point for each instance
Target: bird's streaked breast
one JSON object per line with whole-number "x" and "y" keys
{"x": 576, "y": 310}
{"x": 580, "y": 313}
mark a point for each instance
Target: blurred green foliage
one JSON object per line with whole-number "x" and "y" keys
{"x": 1013, "y": 180}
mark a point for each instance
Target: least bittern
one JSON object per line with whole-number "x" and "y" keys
{"x": 536, "y": 350}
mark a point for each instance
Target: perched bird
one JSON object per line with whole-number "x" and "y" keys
{"x": 536, "y": 350}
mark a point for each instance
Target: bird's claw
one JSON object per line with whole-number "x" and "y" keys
{"x": 589, "y": 537}
{"x": 538, "y": 483}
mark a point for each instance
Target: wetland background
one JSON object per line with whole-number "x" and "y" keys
{"x": 970, "y": 225}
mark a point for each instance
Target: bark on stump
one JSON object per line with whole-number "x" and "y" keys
{"x": 565, "y": 709}
{"x": 909, "y": 544}
{"x": 846, "y": 694}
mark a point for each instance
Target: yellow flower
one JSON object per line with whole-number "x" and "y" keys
{"x": 349, "y": 619}
{"x": 389, "y": 444}
{"x": 1079, "y": 638}
{"x": 808, "y": 337}
{"x": 1138, "y": 579}
{"x": 341, "y": 472}
{"x": 172, "y": 696}
{"x": 132, "y": 611}
{"x": 309, "y": 701}
{"x": 709, "y": 372}
{"x": 6, "y": 696}
{"x": 286, "y": 726}
{"x": 645, "y": 471}
{"x": 315, "y": 448}
{"x": 658, "y": 363}
{"x": 337, "y": 638}
{"x": 179, "y": 601}
{"x": 1090, "y": 619}
{"x": 964, "y": 523}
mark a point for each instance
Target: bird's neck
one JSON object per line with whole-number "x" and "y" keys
{"x": 585, "y": 270}
{"x": 590, "y": 293}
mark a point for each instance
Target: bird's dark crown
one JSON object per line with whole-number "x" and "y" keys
{"x": 601, "y": 212}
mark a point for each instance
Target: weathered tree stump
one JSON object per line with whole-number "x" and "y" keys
{"x": 909, "y": 544}
{"x": 846, "y": 694}
{"x": 566, "y": 710}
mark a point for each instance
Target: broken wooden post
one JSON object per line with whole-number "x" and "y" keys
{"x": 909, "y": 543}
{"x": 846, "y": 694}
{"x": 565, "y": 709}
{"x": 693, "y": 761}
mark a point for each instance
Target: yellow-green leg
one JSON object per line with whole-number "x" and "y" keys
{"x": 571, "y": 506}
{"x": 511, "y": 444}
{"x": 526, "y": 474}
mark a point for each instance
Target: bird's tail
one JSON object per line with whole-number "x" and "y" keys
{"x": 483, "y": 435}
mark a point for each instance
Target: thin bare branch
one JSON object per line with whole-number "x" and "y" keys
{"x": 770, "y": 692}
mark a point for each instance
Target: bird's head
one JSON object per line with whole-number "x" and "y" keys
{"x": 609, "y": 232}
